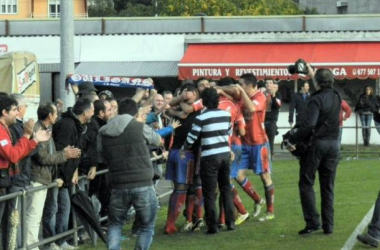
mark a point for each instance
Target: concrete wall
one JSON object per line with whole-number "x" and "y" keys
{"x": 363, "y": 6}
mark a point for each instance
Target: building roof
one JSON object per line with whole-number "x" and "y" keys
{"x": 194, "y": 25}
{"x": 129, "y": 69}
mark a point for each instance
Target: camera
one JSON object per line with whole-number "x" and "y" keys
{"x": 299, "y": 67}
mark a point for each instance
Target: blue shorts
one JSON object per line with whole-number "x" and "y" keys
{"x": 236, "y": 149}
{"x": 257, "y": 158}
{"x": 179, "y": 170}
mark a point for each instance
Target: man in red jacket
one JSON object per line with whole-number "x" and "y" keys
{"x": 344, "y": 114}
{"x": 10, "y": 154}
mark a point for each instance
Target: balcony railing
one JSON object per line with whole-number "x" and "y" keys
{"x": 57, "y": 15}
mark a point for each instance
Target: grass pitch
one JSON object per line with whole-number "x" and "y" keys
{"x": 356, "y": 188}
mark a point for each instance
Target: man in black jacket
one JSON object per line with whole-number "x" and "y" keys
{"x": 375, "y": 109}
{"x": 298, "y": 103}
{"x": 273, "y": 109}
{"x": 322, "y": 121}
{"x": 130, "y": 173}
{"x": 100, "y": 185}
{"x": 68, "y": 130}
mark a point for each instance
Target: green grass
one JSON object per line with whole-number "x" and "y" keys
{"x": 355, "y": 192}
{"x": 371, "y": 152}
{"x": 348, "y": 151}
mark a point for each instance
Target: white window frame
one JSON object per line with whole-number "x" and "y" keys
{"x": 11, "y": 3}
{"x": 56, "y": 3}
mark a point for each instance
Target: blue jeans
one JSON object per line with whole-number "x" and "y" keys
{"x": 145, "y": 202}
{"x": 56, "y": 215}
{"x": 366, "y": 120}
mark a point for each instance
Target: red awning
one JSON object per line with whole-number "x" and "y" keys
{"x": 346, "y": 60}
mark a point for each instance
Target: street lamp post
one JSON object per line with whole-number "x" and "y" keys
{"x": 67, "y": 53}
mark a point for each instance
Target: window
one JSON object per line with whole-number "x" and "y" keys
{"x": 54, "y": 8}
{"x": 342, "y": 6}
{"x": 8, "y": 6}
{"x": 342, "y": 10}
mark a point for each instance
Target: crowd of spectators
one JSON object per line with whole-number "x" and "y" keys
{"x": 209, "y": 133}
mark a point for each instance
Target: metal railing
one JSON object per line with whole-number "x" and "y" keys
{"x": 23, "y": 194}
{"x": 357, "y": 151}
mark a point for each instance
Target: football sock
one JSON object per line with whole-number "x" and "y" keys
{"x": 237, "y": 201}
{"x": 222, "y": 218}
{"x": 198, "y": 202}
{"x": 190, "y": 208}
{"x": 269, "y": 197}
{"x": 249, "y": 189}
{"x": 176, "y": 203}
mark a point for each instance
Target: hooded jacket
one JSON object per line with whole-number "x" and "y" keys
{"x": 68, "y": 131}
{"x": 123, "y": 145}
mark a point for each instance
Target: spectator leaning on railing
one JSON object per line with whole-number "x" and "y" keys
{"x": 100, "y": 185}
{"x": 44, "y": 171}
{"x": 9, "y": 154}
{"x": 68, "y": 130}
{"x": 21, "y": 171}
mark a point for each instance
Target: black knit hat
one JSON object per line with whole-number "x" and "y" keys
{"x": 86, "y": 88}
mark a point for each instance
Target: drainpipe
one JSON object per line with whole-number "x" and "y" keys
{"x": 86, "y": 7}
{"x": 32, "y": 8}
